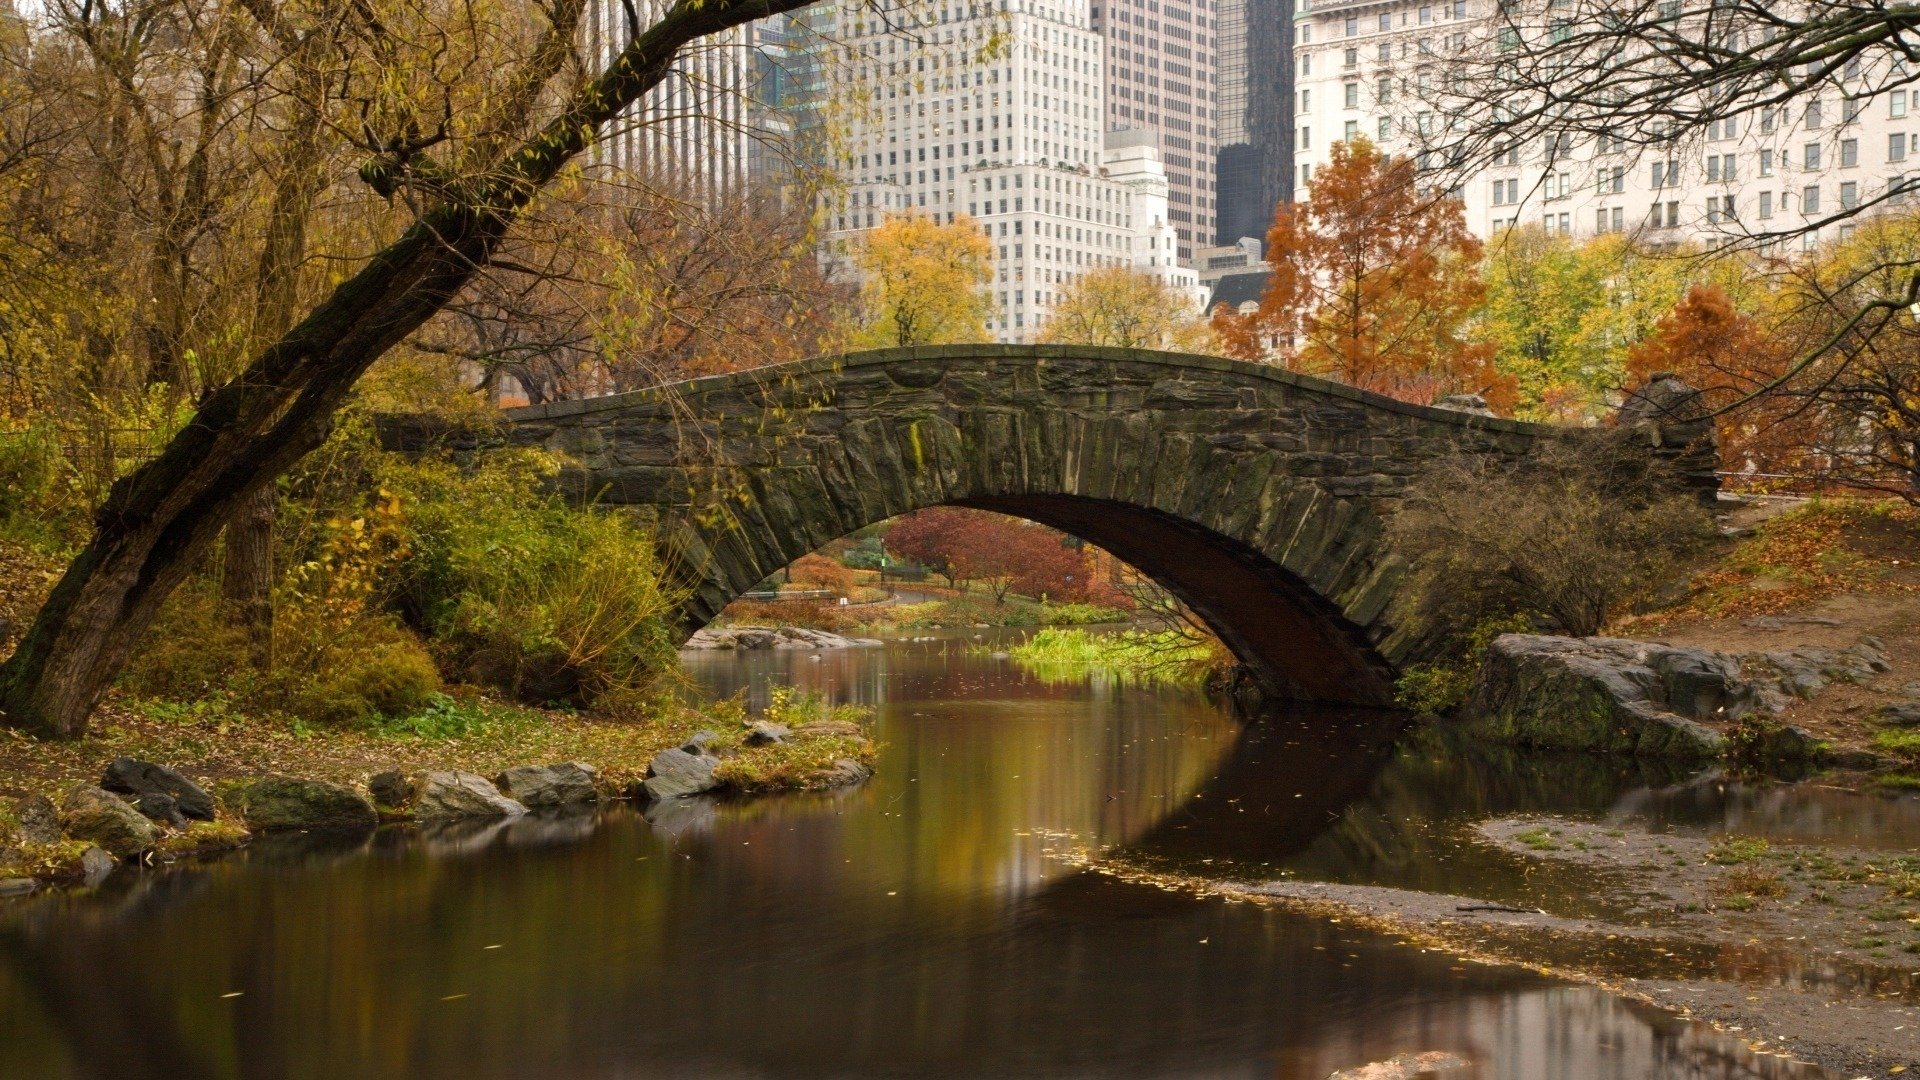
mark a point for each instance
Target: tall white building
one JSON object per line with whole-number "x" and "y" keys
{"x": 694, "y": 125}
{"x": 994, "y": 111}
{"x": 1375, "y": 68}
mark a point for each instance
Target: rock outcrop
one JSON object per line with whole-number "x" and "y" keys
{"x": 566, "y": 784}
{"x": 104, "y": 819}
{"x": 38, "y": 820}
{"x": 461, "y": 794}
{"x": 282, "y": 802}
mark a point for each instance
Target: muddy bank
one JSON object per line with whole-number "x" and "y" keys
{"x": 1811, "y": 952}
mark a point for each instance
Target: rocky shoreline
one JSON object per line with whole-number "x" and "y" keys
{"x": 1651, "y": 699}
{"x": 141, "y": 812}
{"x": 772, "y": 637}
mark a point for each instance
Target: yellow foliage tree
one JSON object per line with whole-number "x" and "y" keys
{"x": 1127, "y": 309}
{"x": 925, "y": 283}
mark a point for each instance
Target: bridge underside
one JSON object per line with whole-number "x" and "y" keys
{"x": 1296, "y": 644}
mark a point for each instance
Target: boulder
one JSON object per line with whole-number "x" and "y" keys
{"x": 1604, "y": 694}
{"x": 682, "y": 771}
{"x": 131, "y": 776}
{"x": 104, "y": 819}
{"x": 39, "y": 822}
{"x": 1805, "y": 671}
{"x": 391, "y": 789}
{"x": 281, "y": 802}
{"x": 461, "y": 794}
{"x": 1900, "y": 715}
{"x": 776, "y": 637}
{"x": 17, "y": 886}
{"x": 161, "y": 808}
{"x": 565, "y": 784}
{"x": 95, "y": 865}
{"x": 766, "y": 733}
{"x": 844, "y": 772}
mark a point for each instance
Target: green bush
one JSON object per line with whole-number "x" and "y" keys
{"x": 523, "y": 592}
{"x": 393, "y": 678}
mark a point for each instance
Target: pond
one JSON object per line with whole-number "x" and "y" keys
{"x": 934, "y": 923}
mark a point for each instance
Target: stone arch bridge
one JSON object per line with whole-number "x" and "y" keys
{"x": 1254, "y": 494}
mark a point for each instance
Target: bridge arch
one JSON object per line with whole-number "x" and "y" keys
{"x": 1254, "y": 494}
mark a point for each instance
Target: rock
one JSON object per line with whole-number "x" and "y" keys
{"x": 766, "y": 733}
{"x": 565, "y": 784}
{"x": 131, "y": 776}
{"x": 95, "y": 865}
{"x": 38, "y": 820}
{"x": 1466, "y": 403}
{"x": 698, "y": 742}
{"x": 1605, "y": 694}
{"x": 1899, "y": 714}
{"x": 677, "y": 773}
{"x": 1765, "y": 743}
{"x": 1912, "y": 689}
{"x": 1805, "y": 671}
{"x": 17, "y": 886}
{"x": 776, "y": 637}
{"x": 162, "y": 808}
{"x": 281, "y": 802}
{"x": 1404, "y": 1067}
{"x": 844, "y": 772}
{"x": 830, "y": 727}
{"x": 103, "y": 818}
{"x": 460, "y": 794}
{"x": 391, "y": 789}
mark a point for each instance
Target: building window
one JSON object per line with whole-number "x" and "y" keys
{"x": 1353, "y": 130}
{"x": 1810, "y": 199}
{"x": 1813, "y": 117}
{"x": 1766, "y": 204}
{"x": 1849, "y": 152}
{"x": 1353, "y": 25}
{"x": 1766, "y": 163}
{"x": 1897, "y": 147}
{"x": 1426, "y": 14}
{"x": 1897, "y": 104}
{"x": 1306, "y": 138}
{"x": 1352, "y": 92}
{"x": 1850, "y": 195}
{"x": 1386, "y": 21}
{"x": 1810, "y": 155}
{"x": 1386, "y": 128}
{"x": 1383, "y": 92}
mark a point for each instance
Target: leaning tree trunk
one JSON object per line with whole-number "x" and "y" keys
{"x": 247, "y": 584}
{"x": 157, "y": 520}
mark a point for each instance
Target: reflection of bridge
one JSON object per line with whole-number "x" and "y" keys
{"x": 1253, "y": 494}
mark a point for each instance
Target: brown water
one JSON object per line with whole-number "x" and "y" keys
{"x": 924, "y": 925}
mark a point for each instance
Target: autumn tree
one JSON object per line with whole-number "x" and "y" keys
{"x": 1374, "y": 282}
{"x": 440, "y": 135}
{"x": 1128, "y": 309}
{"x": 929, "y": 537}
{"x": 923, "y": 282}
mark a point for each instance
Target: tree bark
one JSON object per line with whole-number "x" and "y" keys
{"x": 248, "y": 432}
{"x": 248, "y": 582}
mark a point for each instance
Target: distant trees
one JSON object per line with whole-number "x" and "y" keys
{"x": 1005, "y": 554}
{"x": 924, "y": 283}
{"x": 1374, "y": 283}
{"x": 1125, "y": 308}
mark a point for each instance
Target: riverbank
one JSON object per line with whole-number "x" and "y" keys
{"x": 1808, "y": 952}
{"x": 799, "y": 743}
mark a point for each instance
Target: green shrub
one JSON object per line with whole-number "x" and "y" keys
{"x": 522, "y": 591}
{"x": 194, "y": 648}
{"x": 384, "y": 679}
{"x": 1440, "y": 687}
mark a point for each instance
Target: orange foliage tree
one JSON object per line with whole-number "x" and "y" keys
{"x": 1374, "y": 283}
{"x": 1007, "y": 554}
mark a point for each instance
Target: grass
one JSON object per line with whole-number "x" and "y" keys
{"x": 1753, "y": 881}
{"x": 210, "y": 741}
{"x": 1159, "y": 656}
{"x": 1734, "y": 850}
{"x": 1539, "y": 839}
{"x": 1902, "y": 744}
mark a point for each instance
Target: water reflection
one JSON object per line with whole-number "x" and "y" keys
{"x": 914, "y": 927}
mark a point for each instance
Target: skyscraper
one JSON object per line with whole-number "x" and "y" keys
{"x": 994, "y": 111}
{"x": 691, "y": 127}
{"x": 1160, "y": 77}
{"x": 1255, "y": 165}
